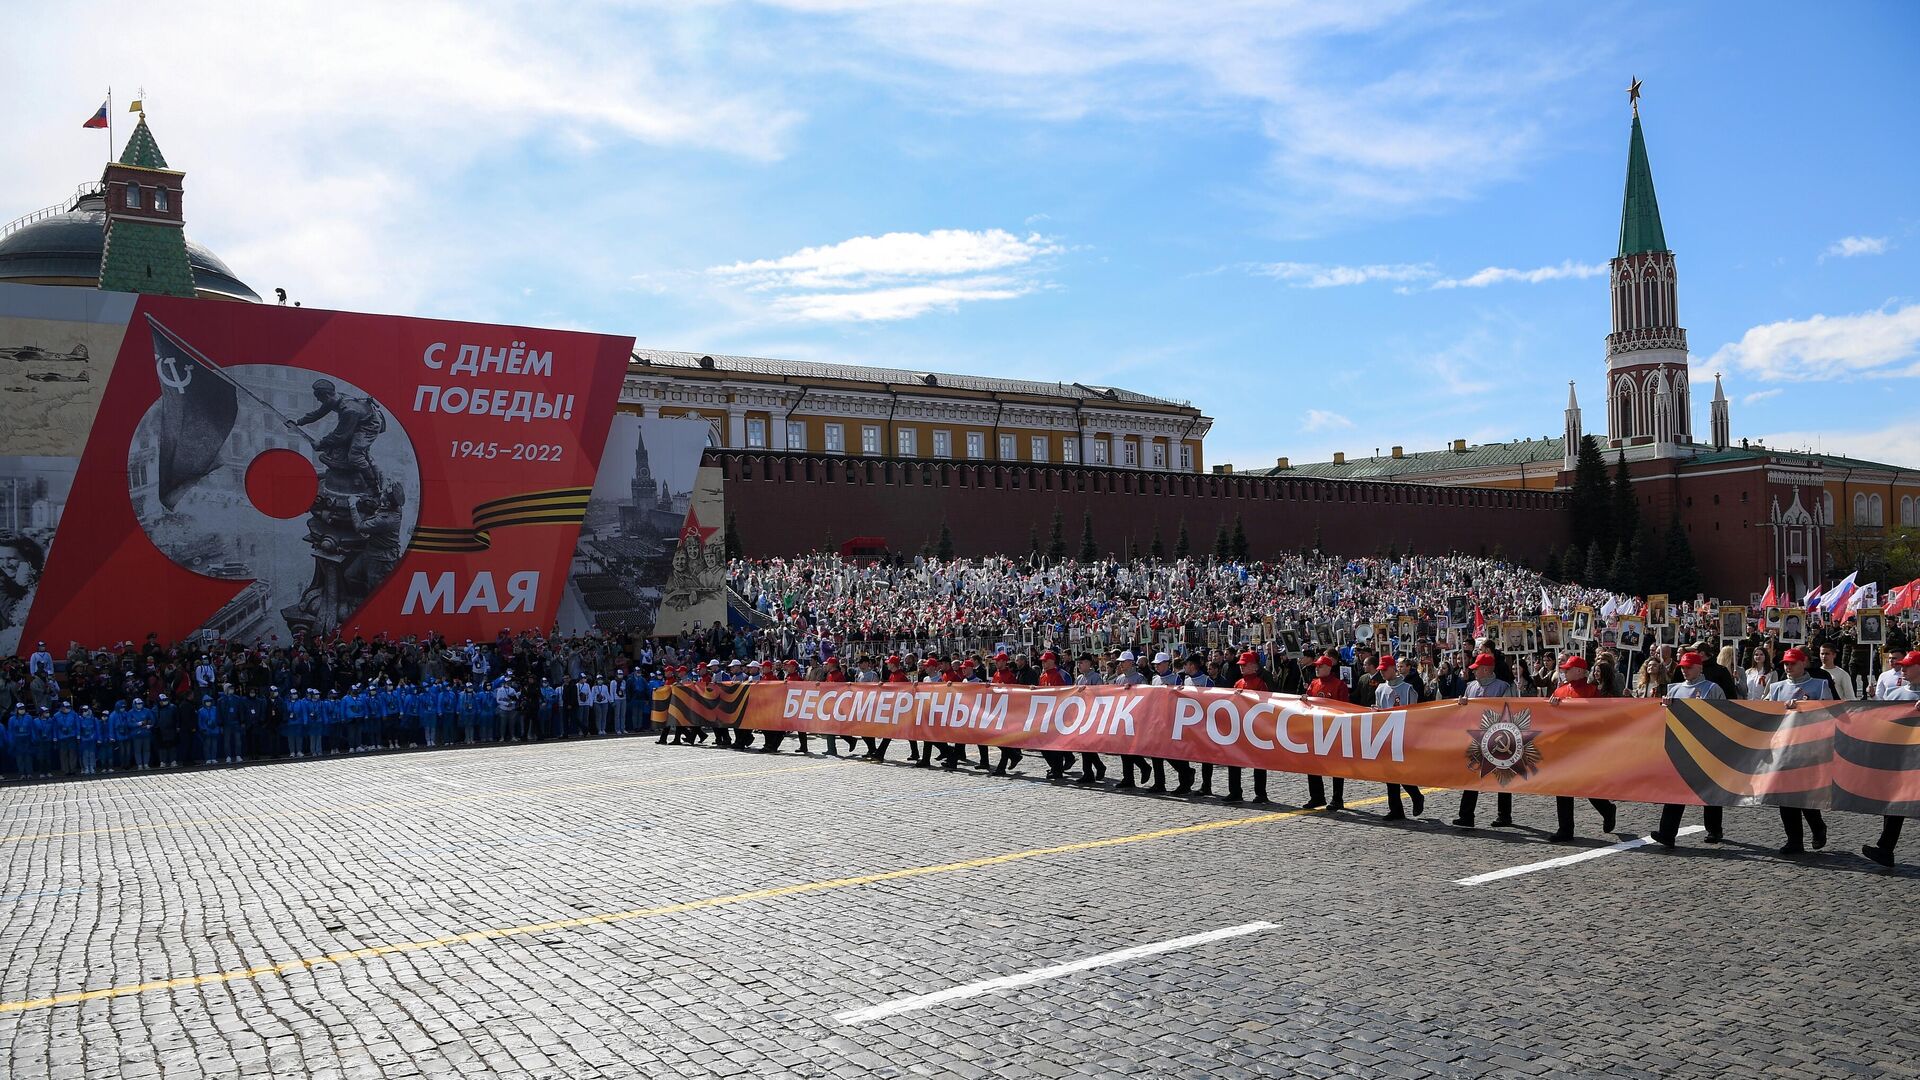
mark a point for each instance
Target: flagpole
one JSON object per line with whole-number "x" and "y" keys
{"x": 109, "y": 125}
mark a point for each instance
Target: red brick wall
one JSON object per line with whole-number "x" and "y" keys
{"x": 784, "y": 504}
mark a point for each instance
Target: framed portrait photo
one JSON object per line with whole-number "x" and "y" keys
{"x": 1733, "y": 623}
{"x": 1657, "y": 609}
{"x": 1873, "y": 626}
{"x": 1553, "y": 632}
{"x": 1793, "y": 626}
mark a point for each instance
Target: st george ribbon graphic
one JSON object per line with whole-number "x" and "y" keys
{"x": 1859, "y": 756}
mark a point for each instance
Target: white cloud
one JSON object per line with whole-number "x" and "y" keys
{"x": 1349, "y": 133}
{"x": 1849, "y": 246}
{"x": 1323, "y": 420}
{"x": 340, "y": 149}
{"x": 896, "y": 255}
{"x": 899, "y": 275}
{"x": 1499, "y": 275}
{"x": 1761, "y": 395}
{"x": 1895, "y": 445}
{"x": 1321, "y": 276}
{"x": 1882, "y": 343}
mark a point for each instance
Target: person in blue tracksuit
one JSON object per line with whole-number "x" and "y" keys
{"x": 141, "y": 720}
{"x": 315, "y": 724}
{"x": 544, "y": 712}
{"x": 486, "y": 708}
{"x": 41, "y": 754}
{"x": 19, "y": 740}
{"x": 392, "y": 735}
{"x": 208, "y": 720}
{"x": 406, "y": 703}
{"x": 353, "y": 715}
{"x": 447, "y": 704}
{"x": 66, "y": 730}
{"x": 118, "y": 737}
{"x": 468, "y": 709}
{"x": 89, "y": 726}
{"x": 293, "y": 716}
{"x": 233, "y": 715}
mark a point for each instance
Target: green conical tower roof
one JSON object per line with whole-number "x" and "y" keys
{"x": 144, "y": 152}
{"x": 1640, "y": 215}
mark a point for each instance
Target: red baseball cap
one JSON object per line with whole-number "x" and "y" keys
{"x": 1250, "y": 657}
{"x": 1326, "y": 661}
{"x": 1485, "y": 659}
{"x": 1692, "y": 659}
{"x": 1574, "y": 663}
{"x": 1049, "y": 655}
{"x": 1912, "y": 659}
{"x": 1795, "y": 655}
{"x": 999, "y": 657}
{"x": 1388, "y": 663}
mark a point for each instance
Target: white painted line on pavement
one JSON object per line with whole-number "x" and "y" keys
{"x": 1569, "y": 860}
{"x": 1036, "y": 975}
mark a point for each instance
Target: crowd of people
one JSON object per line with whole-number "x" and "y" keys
{"x": 1403, "y": 630}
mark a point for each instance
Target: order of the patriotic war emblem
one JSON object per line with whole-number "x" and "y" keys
{"x": 1502, "y": 745}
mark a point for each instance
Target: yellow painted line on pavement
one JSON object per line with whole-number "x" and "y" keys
{"x": 345, "y": 956}
{"x": 410, "y": 804}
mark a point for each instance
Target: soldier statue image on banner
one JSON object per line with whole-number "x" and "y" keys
{"x": 228, "y": 485}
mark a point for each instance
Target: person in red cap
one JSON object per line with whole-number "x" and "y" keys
{"x": 1252, "y": 677}
{"x": 1694, "y": 685}
{"x": 1908, "y": 689}
{"x": 1051, "y": 674}
{"x": 835, "y": 674}
{"x": 1485, "y": 684}
{"x": 1800, "y": 686}
{"x": 1327, "y": 684}
{"x": 1395, "y": 692}
{"x": 1575, "y": 686}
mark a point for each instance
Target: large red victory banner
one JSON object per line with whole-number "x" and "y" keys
{"x": 256, "y": 473}
{"x": 1857, "y": 756}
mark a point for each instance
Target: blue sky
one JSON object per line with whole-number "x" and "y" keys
{"x": 1332, "y": 226}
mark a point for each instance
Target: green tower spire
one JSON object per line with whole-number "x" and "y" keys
{"x": 1640, "y": 214}
{"x": 146, "y": 246}
{"x": 141, "y": 150}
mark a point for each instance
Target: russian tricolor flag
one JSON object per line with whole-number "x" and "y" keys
{"x": 98, "y": 119}
{"x": 1839, "y": 594}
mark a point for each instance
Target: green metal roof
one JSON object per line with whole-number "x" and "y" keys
{"x": 146, "y": 258}
{"x": 141, "y": 149}
{"x": 1484, "y": 456}
{"x": 1640, "y": 214}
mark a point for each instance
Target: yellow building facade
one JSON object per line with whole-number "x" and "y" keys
{"x": 755, "y": 403}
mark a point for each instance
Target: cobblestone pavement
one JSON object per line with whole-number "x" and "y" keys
{"x": 620, "y": 908}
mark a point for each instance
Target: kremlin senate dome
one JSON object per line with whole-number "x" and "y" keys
{"x": 124, "y": 234}
{"x": 64, "y": 247}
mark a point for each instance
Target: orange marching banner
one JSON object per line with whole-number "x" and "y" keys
{"x": 1857, "y": 756}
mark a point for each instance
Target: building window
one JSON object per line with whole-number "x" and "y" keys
{"x": 976, "y": 445}
{"x": 796, "y": 435}
{"x": 836, "y": 439}
{"x": 756, "y": 433}
{"x": 943, "y": 444}
{"x": 1906, "y": 510}
{"x": 133, "y": 196}
{"x": 1039, "y": 447}
{"x": 160, "y": 199}
{"x": 1876, "y": 513}
{"x": 1070, "y": 450}
{"x": 1859, "y": 510}
{"x": 1006, "y": 449}
{"x": 1129, "y": 452}
{"x": 1099, "y": 451}
{"x": 908, "y": 441}
{"x": 1159, "y": 455}
{"x": 869, "y": 439}
{"x": 1186, "y": 458}
{"x": 1826, "y": 503}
